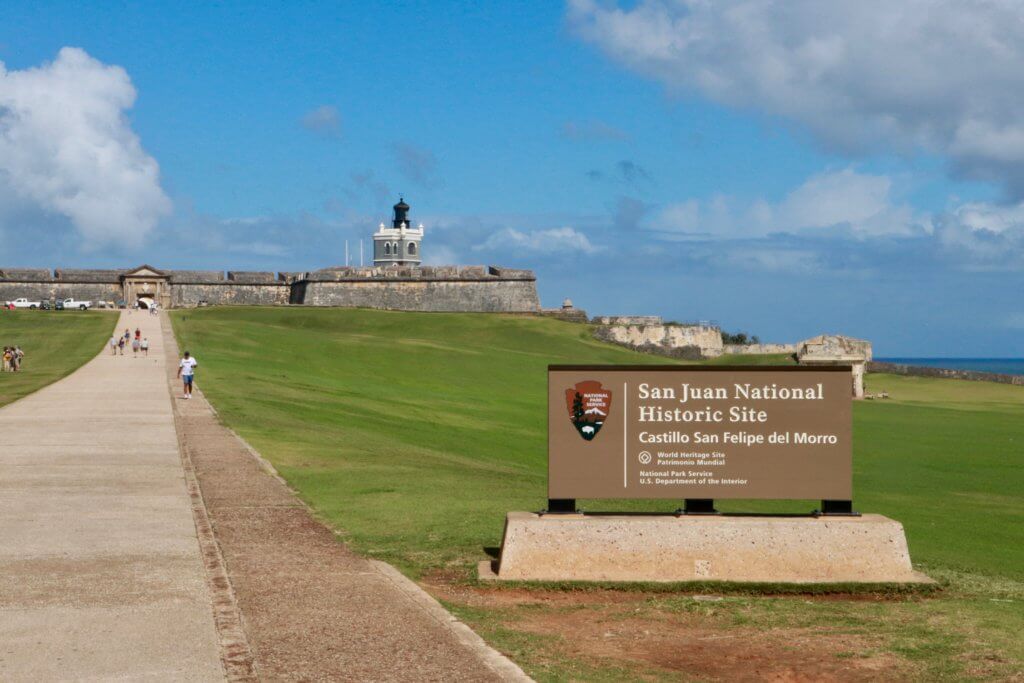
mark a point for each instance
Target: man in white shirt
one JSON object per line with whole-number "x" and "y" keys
{"x": 186, "y": 371}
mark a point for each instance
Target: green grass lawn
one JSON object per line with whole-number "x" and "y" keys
{"x": 56, "y": 343}
{"x": 415, "y": 433}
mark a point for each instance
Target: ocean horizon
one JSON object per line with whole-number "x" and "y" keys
{"x": 1003, "y": 366}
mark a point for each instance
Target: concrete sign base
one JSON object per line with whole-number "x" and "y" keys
{"x": 867, "y": 549}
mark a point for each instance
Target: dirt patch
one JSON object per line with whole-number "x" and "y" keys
{"x": 689, "y": 645}
{"x": 626, "y": 629}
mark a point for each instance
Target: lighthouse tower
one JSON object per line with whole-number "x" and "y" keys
{"x": 398, "y": 245}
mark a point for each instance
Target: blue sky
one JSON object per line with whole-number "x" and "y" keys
{"x": 785, "y": 170}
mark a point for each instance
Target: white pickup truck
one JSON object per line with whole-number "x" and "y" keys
{"x": 72, "y": 303}
{"x": 22, "y": 302}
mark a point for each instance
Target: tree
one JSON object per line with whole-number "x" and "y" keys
{"x": 577, "y": 408}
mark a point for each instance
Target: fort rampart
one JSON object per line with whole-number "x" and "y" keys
{"x": 944, "y": 373}
{"x": 427, "y": 288}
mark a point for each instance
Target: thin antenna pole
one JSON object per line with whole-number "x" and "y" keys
{"x": 346, "y": 253}
{"x": 360, "y": 253}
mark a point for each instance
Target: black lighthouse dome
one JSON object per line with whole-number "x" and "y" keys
{"x": 401, "y": 213}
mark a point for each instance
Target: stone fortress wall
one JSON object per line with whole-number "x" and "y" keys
{"x": 422, "y": 288}
{"x": 244, "y": 288}
{"x": 650, "y": 334}
{"x": 34, "y": 283}
{"x": 944, "y": 373}
{"x": 427, "y": 288}
{"x": 692, "y": 341}
{"x": 757, "y": 349}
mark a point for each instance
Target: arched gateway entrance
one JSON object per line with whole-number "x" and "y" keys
{"x": 146, "y": 286}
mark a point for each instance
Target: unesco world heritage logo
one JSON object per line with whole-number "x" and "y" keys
{"x": 589, "y": 405}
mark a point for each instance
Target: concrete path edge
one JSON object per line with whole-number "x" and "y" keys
{"x": 236, "y": 655}
{"x": 233, "y": 634}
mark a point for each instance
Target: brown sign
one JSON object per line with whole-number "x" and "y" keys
{"x": 699, "y": 432}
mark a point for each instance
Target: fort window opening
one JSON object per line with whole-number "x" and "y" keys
{"x": 412, "y": 247}
{"x": 387, "y": 248}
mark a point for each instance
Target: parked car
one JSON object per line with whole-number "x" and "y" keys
{"x": 74, "y": 303}
{"x": 46, "y": 304}
{"x": 22, "y": 302}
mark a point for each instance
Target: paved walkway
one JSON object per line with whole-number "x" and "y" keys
{"x": 100, "y": 571}
{"x": 125, "y": 558}
{"x": 312, "y": 609}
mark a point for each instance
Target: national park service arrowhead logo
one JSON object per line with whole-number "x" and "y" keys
{"x": 589, "y": 405}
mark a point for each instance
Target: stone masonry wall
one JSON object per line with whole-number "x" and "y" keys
{"x": 430, "y": 288}
{"x": 230, "y": 294}
{"x": 674, "y": 340}
{"x": 757, "y": 349}
{"x": 945, "y": 373}
{"x": 86, "y": 291}
{"x": 627, "y": 320}
{"x": 569, "y": 315}
{"x": 491, "y": 296}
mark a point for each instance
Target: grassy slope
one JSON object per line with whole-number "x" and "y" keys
{"x": 415, "y": 433}
{"x": 402, "y": 427}
{"x": 56, "y": 343}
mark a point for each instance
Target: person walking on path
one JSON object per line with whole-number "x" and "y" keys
{"x": 120, "y": 345}
{"x": 186, "y": 371}
{"x": 138, "y": 334}
{"x": 135, "y": 348}
{"x": 145, "y": 346}
{"x": 113, "y": 345}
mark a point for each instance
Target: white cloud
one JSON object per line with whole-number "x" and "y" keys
{"x": 67, "y": 148}
{"x": 323, "y": 120}
{"x": 861, "y": 202}
{"x": 555, "y": 241}
{"x": 938, "y": 75}
{"x": 992, "y": 218}
{"x": 858, "y": 203}
{"x": 983, "y": 236}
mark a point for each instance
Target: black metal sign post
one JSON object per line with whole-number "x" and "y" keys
{"x": 698, "y": 506}
{"x": 836, "y": 508}
{"x": 561, "y": 506}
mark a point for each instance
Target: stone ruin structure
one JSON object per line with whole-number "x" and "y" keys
{"x": 650, "y": 334}
{"x": 835, "y": 349}
{"x": 695, "y": 341}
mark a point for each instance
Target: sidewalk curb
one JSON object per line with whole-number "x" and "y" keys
{"x": 235, "y": 653}
{"x": 502, "y": 666}
{"x": 495, "y": 660}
